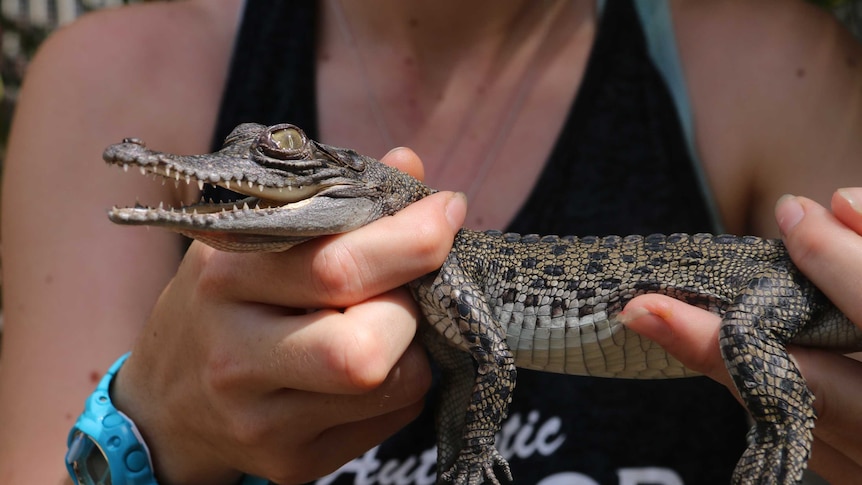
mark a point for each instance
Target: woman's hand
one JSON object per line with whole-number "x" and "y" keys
{"x": 827, "y": 247}
{"x": 287, "y": 365}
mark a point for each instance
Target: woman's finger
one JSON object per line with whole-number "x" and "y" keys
{"x": 326, "y": 351}
{"x": 339, "y": 271}
{"x": 835, "y": 379}
{"x": 827, "y": 251}
{"x": 688, "y": 333}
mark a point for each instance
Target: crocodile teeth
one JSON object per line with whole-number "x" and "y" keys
{"x": 143, "y": 170}
{"x": 200, "y": 184}
{"x": 125, "y": 167}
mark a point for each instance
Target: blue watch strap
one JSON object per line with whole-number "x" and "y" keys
{"x": 250, "y": 480}
{"x": 106, "y": 443}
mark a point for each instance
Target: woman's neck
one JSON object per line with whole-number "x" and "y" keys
{"x": 434, "y": 36}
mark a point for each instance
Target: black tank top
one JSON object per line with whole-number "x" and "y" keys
{"x": 620, "y": 166}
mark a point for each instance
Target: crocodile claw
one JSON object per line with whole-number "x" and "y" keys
{"x": 773, "y": 456}
{"x": 477, "y": 466}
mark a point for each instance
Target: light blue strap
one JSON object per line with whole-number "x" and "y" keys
{"x": 250, "y": 480}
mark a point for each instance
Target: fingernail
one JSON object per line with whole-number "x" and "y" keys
{"x": 456, "y": 210}
{"x": 788, "y": 213}
{"x": 646, "y": 323}
{"x": 630, "y": 314}
{"x": 390, "y": 152}
{"x": 852, "y": 195}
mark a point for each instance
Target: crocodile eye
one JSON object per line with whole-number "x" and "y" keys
{"x": 288, "y": 139}
{"x": 284, "y": 142}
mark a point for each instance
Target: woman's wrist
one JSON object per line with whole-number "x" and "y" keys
{"x": 174, "y": 462}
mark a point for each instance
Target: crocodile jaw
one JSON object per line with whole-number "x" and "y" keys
{"x": 243, "y": 228}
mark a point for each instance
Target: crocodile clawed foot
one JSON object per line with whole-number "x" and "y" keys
{"x": 477, "y": 466}
{"x": 773, "y": 457}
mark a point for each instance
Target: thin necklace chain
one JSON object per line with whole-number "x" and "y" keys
{"x": 502, "y": 130}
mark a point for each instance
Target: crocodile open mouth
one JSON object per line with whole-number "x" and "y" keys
{"x": 257, "y": 196}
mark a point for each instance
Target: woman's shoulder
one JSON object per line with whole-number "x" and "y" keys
{"x": 774, "y": 87}
{"x": 141, "y": 60}
{"x": 763, "y": 52}
{"x": 143, "y": 37}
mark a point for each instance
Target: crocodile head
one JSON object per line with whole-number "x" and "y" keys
{"x": 295, "y": 189}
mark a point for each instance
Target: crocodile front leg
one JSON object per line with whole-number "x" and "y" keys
{"x": 478, "y": 376}
{"x": 754, "y": 332}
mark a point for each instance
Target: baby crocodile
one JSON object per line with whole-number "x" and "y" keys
{"x": 502, "y": 301}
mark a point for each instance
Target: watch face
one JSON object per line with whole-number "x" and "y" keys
{"x": 88, "y": 461}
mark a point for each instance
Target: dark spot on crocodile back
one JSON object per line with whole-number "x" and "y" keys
{"x": 648, "y": 286}
{"x": 593, "y": 267}
{"x": 655, "y": 242}
{"x": 610, "y": 283}
{"x": 555, "y": 270}
{"x": 510, "y": 274}
{"x": 539, "y": 283}
{"x": 611, "y": 241}
{"x": 559, "y": 249}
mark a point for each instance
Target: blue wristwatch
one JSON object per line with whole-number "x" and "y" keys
{"x": 105, "y": 447}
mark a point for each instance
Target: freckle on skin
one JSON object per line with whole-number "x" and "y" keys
{"x": 94, "y": 377}
{"x": 800, "y": 72}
